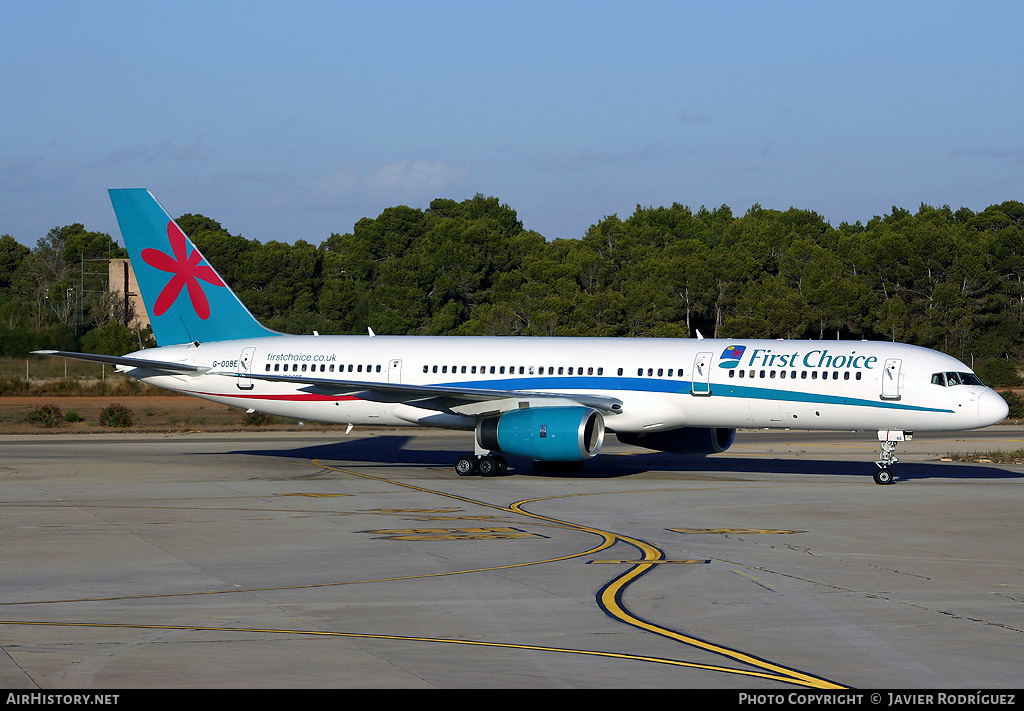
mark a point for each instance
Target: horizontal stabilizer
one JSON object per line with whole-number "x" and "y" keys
{"x": 158, "y": 365}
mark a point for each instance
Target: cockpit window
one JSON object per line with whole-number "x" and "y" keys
{"x": 951, "y": 379}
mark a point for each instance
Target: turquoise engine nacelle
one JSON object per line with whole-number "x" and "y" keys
{"x": 544, "y": 434}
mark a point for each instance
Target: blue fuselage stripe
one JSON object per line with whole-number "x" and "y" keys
{"x": 593, "y": 384}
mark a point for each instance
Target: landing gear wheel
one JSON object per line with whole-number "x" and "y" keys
{"x": 466, "y": 466}
{"x": 883, "y": 476}
{"x": 492, "y": 465}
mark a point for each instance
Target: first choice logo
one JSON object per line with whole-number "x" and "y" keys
{"x": 818, "y": 358}
{"x": 731, "y": 356}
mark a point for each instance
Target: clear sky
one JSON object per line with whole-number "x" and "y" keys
{"x": 293, "y": 120}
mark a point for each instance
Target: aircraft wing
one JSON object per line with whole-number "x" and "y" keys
{"x": 431, "y": 397}
{"x": 157, "y": 365}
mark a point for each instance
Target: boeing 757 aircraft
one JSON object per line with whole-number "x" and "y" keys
{"x": 549, "y": 400}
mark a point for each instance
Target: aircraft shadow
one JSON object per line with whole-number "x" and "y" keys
{"x": 400, "y": 450}
{"x": 386, "y": 449}
{"x": 860, "y": 469}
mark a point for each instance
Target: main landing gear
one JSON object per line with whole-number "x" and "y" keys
{"x": 484, "y": 465}
{"x": 889, "y": 440}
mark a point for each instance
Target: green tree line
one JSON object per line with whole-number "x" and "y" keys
{"x": 942, "y": 278}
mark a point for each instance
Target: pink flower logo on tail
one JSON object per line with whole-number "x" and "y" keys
{"x": 187, "y": 273}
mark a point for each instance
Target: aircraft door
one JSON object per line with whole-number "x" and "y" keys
{"x": 245, "y": 366}
{"x": 700, "y": 379}
{"x": 395, "y": 371}
{"x": 891, "y": 379}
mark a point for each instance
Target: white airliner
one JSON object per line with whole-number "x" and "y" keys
{"x": 548, "y": 400}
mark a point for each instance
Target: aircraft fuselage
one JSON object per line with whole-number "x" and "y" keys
{"x": 662, "y": 383}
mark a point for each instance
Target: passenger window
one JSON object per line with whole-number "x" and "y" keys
{"x": 600, "y": 371}
{"x": 620, "y": 371}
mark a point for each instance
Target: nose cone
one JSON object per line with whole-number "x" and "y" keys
{"x": 992, "y": 408}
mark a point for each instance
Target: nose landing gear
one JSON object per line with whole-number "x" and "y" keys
{"x": 889, "y": 440}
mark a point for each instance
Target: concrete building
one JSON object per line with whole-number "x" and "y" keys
{"x": 129, "y": 306}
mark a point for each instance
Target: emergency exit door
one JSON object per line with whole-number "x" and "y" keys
{"x": 245, "y": 367}
{"x": 700, "y": 379}
{"x": 891, "y": 379}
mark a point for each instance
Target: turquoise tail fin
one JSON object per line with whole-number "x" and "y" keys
{"x": 186, "y": 299}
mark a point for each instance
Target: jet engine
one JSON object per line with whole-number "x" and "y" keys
{"x": 544, "y": 434}
{"x": 682, "y": 440}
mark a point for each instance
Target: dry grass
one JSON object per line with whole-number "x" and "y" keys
{"x": 998, "y": 457}
{"x": 152, "y": 413}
